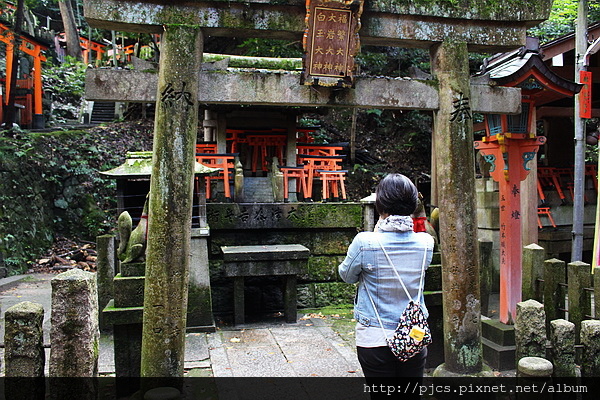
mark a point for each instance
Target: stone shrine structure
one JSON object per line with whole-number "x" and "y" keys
{"x": 446, "y": 30}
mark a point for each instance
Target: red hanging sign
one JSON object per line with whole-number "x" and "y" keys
{"x": 585, "y": 96}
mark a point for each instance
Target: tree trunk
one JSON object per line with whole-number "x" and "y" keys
{"x": 71, "y": 33}
{"x": 10, "y": 115}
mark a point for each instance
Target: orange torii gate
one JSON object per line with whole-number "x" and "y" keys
{"x": 89, "y": 45}
{"x": 34, "y": 49}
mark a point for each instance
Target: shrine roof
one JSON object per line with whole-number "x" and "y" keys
{"x": 139, "y": 164}
{"x": 526, "y": 69}
{"x": 566, "y": 42}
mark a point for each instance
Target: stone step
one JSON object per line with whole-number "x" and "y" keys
{"x": 497, "y": 332}
{"x": 129, "y": 291}
{"x": 102, "y": 112}
{"x": 433, "y": 278}
{"x": 501, "y": 358}
{"x": 132, "y": 269}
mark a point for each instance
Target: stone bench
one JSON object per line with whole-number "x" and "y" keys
{"x": 286, "y": 260}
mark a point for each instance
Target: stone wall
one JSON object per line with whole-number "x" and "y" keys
{"x": 326, "y": 229}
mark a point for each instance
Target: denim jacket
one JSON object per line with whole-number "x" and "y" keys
{"x": 367, "y": 264}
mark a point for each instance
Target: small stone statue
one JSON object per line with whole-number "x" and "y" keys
{"x": 132, "y": 247}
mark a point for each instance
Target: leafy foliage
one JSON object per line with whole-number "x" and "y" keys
{"x": 271, "y": 48}
{"x": 50, "y": 185}
{"x": 64, "y": 84}
{"x": 562, "y": 20}
{"x": 391, "y": 61}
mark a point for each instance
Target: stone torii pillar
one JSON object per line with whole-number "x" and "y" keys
{"x": 453, "y": 131}
{"x": 170, "y": 203}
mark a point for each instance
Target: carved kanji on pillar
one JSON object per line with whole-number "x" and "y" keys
{"x": 509, "y": 156}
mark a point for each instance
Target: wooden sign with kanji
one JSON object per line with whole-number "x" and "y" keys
{"x": 331, "y": 42}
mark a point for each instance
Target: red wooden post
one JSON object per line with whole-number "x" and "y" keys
{"x": 509, "y": 156}
{"x": 9, "y": 62}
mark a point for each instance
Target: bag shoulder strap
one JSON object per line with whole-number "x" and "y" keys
{"x": 403, "y": 286}
{"x": 420, "y": 290}
{"x": 376, "y": 312}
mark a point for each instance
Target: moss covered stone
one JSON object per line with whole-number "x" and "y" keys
{"x": 325, "y": 294}
{"x": 170, "y": 202}
{"x": 323, "y": 268}
{"x": 24, "y": 349}
{"x": 509, "y": 10}
{"x": 285, "y": 216}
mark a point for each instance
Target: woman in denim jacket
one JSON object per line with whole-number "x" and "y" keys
{"x": 366, "y": 263}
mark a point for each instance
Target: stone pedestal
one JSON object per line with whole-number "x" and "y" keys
{"x": 124, "y": 313}
{"x": 127, "y": 337}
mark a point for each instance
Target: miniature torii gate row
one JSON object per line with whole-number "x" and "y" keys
{"x": 33, "y": 49}
{"x": 440, "y": 27}
{"x": 87, "y": 47}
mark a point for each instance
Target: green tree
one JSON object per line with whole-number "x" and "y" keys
{"x": 562, "y": 20}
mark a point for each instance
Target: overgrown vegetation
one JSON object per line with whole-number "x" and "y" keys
{"x": 64, "y": 87}
{"x": 562, "y": 19}
{"x": 50, "y": 185}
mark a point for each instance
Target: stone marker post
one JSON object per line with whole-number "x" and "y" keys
{"x": 23, "y": 340}
{"x": 554, "y": 299}
{"x": 578, "y": 278}
{"x": 590, "y": 339}
{"x": 105, "y": 271}
{"x": 533, "y": 269}
{"x": 455, "y": 163}
{"x": 530, "y": 330}
{"x": 74, "y": 334}
{"x": 562, "y": 338}
{"x": 24, "y": 352}
{"x": 170, "y": 211}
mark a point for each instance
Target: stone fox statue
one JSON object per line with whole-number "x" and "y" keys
{"x": 132, "y": 247}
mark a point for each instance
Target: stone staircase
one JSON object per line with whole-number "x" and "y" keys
{"x": 103, "y": 111}
{"x": 258, "y": 190}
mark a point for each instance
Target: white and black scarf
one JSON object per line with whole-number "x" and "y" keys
{"x": 395, "y": 223}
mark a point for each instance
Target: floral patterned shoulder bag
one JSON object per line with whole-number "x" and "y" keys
{"x": 412, "y": 334}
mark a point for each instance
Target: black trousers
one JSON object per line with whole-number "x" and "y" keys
{"x": 383, "y": 370}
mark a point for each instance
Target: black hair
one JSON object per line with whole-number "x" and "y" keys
{"x": 396, "y": 195}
